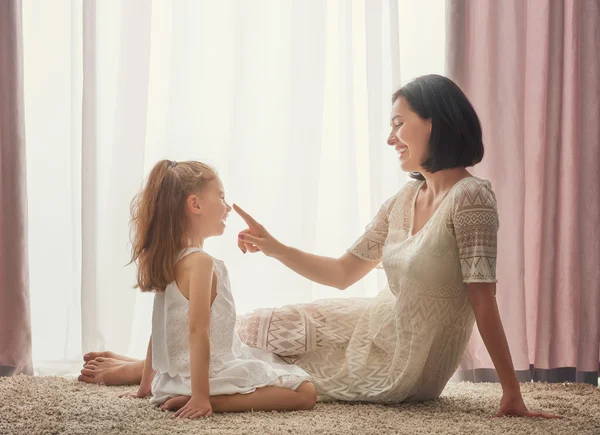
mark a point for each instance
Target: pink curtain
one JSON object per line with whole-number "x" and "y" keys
{"x": 532, "y": 70}
{"x": 15, "y": 329}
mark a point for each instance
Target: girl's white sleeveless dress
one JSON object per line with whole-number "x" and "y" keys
{"x": 234, "y": 367}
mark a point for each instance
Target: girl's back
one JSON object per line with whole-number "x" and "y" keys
{"x": 171, "y": 326}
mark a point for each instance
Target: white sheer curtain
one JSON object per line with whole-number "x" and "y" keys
{"x": 288, "y": 99}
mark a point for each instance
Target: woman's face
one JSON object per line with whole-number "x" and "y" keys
{"x": 409, "y": 136}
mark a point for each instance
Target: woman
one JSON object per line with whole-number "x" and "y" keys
{"x": 436, "y": 239}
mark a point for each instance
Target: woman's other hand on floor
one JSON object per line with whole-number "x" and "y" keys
{"x": 513, "y": 406}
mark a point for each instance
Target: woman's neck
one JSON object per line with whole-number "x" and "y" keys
{"x": 439, "y": 183}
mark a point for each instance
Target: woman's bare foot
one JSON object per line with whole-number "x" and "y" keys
{"x": 93, "y": 355}
{"x": 111, "y": 371}
{"x": 175, "y": 403}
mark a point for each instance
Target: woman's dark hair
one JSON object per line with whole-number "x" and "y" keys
{"x": 455, "y": 139}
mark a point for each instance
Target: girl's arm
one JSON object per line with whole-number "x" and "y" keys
{"x": 145, "y": 388}
{"x": 200, "y": 288}
{"x": 147, "y": 374}
{"x": 483, "y": 300}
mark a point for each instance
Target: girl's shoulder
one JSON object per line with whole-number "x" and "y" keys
{"x": 198, "y": 253}
{"x": 198, "y": 257}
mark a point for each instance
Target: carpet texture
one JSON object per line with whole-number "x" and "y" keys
{"x": 51, "y": 405}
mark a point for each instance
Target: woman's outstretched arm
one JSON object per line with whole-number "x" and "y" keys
{"x": 339, "y": 272}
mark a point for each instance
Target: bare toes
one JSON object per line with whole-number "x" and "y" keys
{"x": 175, "y": 403}
{"x": 87, "y": 379}
{"x": 88, "y": 372}
{"x": 169, "y": 405}
{"x": 93, "y": 355}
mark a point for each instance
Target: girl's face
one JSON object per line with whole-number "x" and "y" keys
{"x": 210, "y": 208}
{"x": 409, "y": 136}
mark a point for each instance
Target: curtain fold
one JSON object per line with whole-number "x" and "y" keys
{"x": 532, "y": 70}
{"x": 15, "y": 328}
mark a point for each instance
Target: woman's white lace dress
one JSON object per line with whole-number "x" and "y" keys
{"x": 405, "y": 343}
{"x": 234, "y": 367}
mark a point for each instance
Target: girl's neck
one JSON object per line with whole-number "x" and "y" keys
{"x": 196, "y": 242}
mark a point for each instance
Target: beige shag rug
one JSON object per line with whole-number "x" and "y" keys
{"x": 51, "y": 405}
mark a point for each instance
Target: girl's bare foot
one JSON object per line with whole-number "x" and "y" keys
{"x": 111, "y": 371}
{"x": 175, "y": 403}
{"x": 93, "y": 355}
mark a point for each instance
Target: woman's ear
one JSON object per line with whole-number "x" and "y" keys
{"x": 193, "y": 204}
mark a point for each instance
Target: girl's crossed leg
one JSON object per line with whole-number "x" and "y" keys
{"x": 263, "y": 399}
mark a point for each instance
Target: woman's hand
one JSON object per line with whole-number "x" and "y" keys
{"x": 195, "y": 408}
{"x": 334, "y": 272}
{"x": 512, "y": 405}
{"x": 256, "y": 238}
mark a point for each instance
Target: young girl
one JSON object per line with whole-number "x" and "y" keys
{"x": 196, "y": 363}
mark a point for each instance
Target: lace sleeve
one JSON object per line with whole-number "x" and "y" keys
{"x": 475, "y": 224}
{"x": 369, "y": 246}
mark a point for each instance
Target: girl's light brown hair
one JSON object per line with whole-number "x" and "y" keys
{"x": 158, "y": 221}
